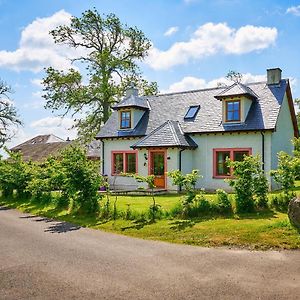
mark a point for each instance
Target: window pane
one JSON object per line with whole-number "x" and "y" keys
{"x": 118, "y": 163}
{"x": 222, "y": 168}
{"x": 131, "y": 162}
{"x": 125, "y": 119}
{"x": 239, "y": 155}
{"x": 191, "y": 113}
{"x": 233, "y": 111}
{"x": 158, "y": 164}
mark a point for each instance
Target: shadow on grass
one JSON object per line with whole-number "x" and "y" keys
{"x": 264, "y": 214}
{"x": 138, "y": 224}
{"x": 182, "y": 224}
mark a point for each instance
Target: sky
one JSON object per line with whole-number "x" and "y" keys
{"x": 195, "y": 43}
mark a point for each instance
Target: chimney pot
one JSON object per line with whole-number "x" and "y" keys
{"x": 274, "y": 76}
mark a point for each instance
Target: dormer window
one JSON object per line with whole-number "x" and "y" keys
{"x": 233, "y": 111}
{"x": 192, "y": 111}
{"x": 125, "y": 119}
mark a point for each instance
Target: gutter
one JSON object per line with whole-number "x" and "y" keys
{"x": 102, "y": 155}
{"x": 263, "y": 149}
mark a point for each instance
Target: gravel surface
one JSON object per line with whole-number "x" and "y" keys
{"x": 46, "y": 259}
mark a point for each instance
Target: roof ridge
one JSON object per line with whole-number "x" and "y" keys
{"x": 174, "y": 131}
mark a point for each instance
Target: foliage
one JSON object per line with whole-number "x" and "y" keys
{"x": 248, "y": 181}
{"x": 188, "y": 182}
{"x": 8, "y": 113}
{"x": 296, "y": 143}
{"x": 82, "y": 180}
{"x": 14, "y": 174}
{"x": 280, "y": 202}
{"x": 285, "y": 173}
{"x": 111, "y": 50}
{"x": 46, "y": 177}
{"x": 223, "y": 202}
{"x": 234, "y": 76}
{"x": 297, "y": 102}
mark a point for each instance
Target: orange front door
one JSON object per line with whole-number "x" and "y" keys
{"x": 157, "y": 168}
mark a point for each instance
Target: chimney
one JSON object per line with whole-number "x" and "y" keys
{"x": 132, "y": 91}
{"x": 274, "y": 76}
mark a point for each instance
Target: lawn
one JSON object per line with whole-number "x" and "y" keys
{"x": 261, "y": 230}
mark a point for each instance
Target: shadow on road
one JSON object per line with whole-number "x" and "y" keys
{"x": 56, "y": 227}
{"x": 61, "y": 227}
{"x": 4, "y": 208}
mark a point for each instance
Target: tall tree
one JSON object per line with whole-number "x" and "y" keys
{"x": 111, "y": 51}
{"x": 8, "y": 114}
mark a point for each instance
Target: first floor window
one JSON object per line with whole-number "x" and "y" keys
{"x": 221, "y": 168}
{"x": 125, "y": 119}
{"x": 233, "y": 111}
{"x": 124, "y": 162}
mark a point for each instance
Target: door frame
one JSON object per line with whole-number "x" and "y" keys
{"x": 150, "y": 151}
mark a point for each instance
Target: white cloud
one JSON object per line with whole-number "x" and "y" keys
{"x": 210, "y": 39}
{"x": 36, "y": 82}
{"x": 194, "y": 83}
{"x": 61, "y": 127}
{"x": 36, "y": 47}
{"x": 294, "y": 10}
{"x": 171, "y": 31}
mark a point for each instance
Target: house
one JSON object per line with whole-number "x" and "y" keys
{"x": 198, "y": 129}
{"x": 40, "y": 147}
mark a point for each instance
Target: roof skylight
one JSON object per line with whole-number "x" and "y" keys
{"x": 192, "y": 111}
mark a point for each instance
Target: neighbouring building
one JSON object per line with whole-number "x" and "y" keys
{"x": 40, "y": 147}
{"x": 198, "y": 129}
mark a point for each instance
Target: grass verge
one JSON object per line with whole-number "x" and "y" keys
{"x": 262, "y": 230}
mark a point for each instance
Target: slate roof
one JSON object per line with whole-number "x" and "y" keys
{"x": 41, "y": 147}
{"x": 237, "y": 89}
{"x": 40, "y": 151}
{"x": 169, "y": 134}
{"x": 133, "y": 101}
{"x": 262, "y": 115}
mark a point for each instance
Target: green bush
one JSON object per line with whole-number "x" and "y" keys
{"x": 248, "y": 182}
{"x": 82, "y": 181}
{"x": 223, "y": 202}
{"x": 281, "y": 201}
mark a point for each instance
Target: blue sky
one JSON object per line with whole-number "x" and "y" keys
{"x": 195, "y": 44}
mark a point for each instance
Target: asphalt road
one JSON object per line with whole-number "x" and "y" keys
{"x": 45, "y": 259}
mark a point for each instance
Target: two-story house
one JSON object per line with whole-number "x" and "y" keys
{"x": 198, "y": 129}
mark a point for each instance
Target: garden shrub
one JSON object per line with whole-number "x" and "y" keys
{"x": 247, "y": 175}
{"x": 223, "y": 202}
{"x": 285, "y": 173}
{"x": 14, "y": 175}
{"x": 280, "y": 202}
{"x": 188, "y": 182}
{"x": 82, "y": 180}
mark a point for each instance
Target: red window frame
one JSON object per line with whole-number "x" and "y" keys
{"x": 125, "y": 165}
{"x": 231, "y": 156}
{"x": 227, "y": 110}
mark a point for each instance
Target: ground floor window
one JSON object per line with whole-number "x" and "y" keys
{"x": 124, "y": 162}
{"x": 221, "y": 170}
